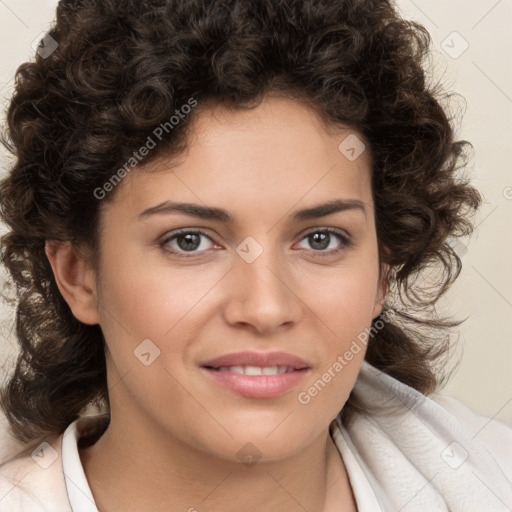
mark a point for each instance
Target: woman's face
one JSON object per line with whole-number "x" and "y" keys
{"x": 265, "y": 281}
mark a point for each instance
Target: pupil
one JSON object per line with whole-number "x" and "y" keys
{"x": 190, "y": 244}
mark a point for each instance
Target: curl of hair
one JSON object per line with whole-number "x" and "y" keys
{"x": 123, "y": 67}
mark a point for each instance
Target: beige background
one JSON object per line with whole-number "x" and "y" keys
{"x": 482, "y": 74}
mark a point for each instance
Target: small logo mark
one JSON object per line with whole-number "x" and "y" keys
{"x": 352, "y": 147}
{"x": 249, "y": 455}
{"x": 454, "y": 455}
{"x": 45, "y": 455}
{"x": 44, "y": 45}
{"x": 460, "y": 248}
{"x": 249, "y": 249}
{"x": 454, "y": 45}
{"x": 146, "y": 352}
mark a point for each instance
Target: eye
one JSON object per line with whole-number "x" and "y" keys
{"x": 323, "y": 239}
{"x": 323, "y": 242}
{"x": 186, "y": 241}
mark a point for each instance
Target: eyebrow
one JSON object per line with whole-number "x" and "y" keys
{"x": 221, "y": 215}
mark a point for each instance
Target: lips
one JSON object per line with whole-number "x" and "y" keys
{"x": 256, "y": 374}
{"x": 261, "y": 359}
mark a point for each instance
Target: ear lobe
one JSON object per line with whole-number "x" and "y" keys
{"x": 382, "y": 289}
{"x": 75, "y": 279}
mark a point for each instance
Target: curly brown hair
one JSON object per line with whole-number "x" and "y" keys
{"x": 123, "y": 67}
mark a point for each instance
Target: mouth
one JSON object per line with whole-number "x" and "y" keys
{"x": 256, "y": 375}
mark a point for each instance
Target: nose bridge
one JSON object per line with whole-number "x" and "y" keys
{"x": 261, "y": 293}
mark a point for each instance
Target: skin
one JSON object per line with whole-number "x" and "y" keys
{"x": 174, "y": 435}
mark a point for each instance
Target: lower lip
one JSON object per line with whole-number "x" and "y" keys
{"x": 258, "y": 386}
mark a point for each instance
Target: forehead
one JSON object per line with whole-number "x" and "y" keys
{"x": 267, "y": 158}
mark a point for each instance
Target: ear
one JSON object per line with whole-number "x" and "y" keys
{"x": 382, "y": 289}
{"x": 75, "y": 278}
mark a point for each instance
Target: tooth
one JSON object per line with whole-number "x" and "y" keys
{"x": 253, "y": 370}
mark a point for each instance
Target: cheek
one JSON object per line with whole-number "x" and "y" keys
{"x": 143, "y": 302}
{"x": 344, "y": 305}
{"x": 168, "y": 306}
{"x": 344, "y": 299}
{"x": 151, "y": 298}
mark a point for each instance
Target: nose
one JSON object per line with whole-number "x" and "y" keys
{"x": 262, "y": 294}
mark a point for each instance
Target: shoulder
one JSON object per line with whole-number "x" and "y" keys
{"x": 428, "y": 452}
{"x": 494, "y": 434}
{"x": 32, "y": 476}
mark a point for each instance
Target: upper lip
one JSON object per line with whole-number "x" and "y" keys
{"x": 249, "y": 358}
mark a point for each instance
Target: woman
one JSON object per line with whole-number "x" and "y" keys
{"x": 216, "y": 217}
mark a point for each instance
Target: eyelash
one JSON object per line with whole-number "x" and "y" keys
{"x": 346, "y": 241}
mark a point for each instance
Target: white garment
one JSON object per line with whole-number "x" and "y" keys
{"x": 421, "y": 456}
{"x": 79, "y": 492}
{"x": 414, "y": 455}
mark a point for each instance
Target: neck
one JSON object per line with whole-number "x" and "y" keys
{"x": 160, "y": 473}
